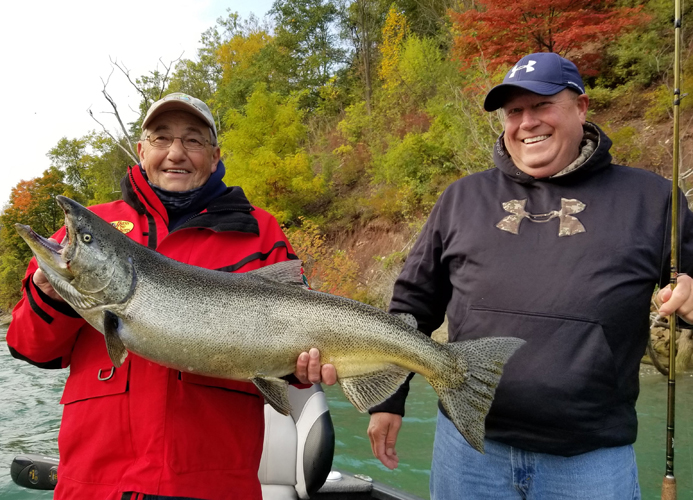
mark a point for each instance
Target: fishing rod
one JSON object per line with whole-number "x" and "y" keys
{"x": 669, "y": 482}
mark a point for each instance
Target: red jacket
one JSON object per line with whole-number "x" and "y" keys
{"x": 143, "y": 427}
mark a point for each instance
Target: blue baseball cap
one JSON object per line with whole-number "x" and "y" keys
{"x": 544, "y": 73}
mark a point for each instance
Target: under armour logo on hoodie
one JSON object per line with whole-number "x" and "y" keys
{"x": 568, "y": 224}
{"x": 529, "y": 67}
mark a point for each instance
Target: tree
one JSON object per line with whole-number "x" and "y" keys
{"x": 32, "y": 203}
{"x": 394, "y": 33}
{"x": 69, "y": 155}
{"x": 93, "y": 164}
{"x": 201, "y": 78}
{"x": 429, "y": 18}
{"x": 263, "y": 154}
{"x": 361, "y": 24}
{"x": 11, "y": 274}
{"x": 245, "y": 60}
{"x": 306, "y": 35}
{"x": 498, "y": 32}
{"x": 106, "y": 167}
{"x": 194, "y": 78}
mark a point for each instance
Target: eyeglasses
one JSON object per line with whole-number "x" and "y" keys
{"x": 192, "y": 142}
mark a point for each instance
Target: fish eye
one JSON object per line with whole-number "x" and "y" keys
{"x": 86, "y": 238}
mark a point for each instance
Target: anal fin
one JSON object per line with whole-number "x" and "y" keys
{"x": 368, "y": 390}
{"x": 275, "y": 391}
{"x": 115, "y": 347}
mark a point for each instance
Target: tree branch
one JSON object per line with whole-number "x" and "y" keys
{"x": 126, "y": 72}
{"x": 130, "y": 152}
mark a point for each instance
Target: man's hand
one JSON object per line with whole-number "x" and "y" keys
{"x": 41, "y": 282}
{"x": 382, "y": 431}
{"x": 680, "y": 301}
{"x": 309, "y": 370}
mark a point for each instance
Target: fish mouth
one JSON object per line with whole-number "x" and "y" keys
{"x": 48, "y": 253}
{"x": 71, "y": 209}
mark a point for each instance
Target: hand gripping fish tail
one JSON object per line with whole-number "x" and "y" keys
{"x": 252, "y": 326}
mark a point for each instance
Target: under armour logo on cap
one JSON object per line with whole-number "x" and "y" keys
{"x": 529, "y": 67}
{"x": 543, "y": 73}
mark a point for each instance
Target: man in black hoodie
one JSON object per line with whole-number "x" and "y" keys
{"x": 561, "y": 247}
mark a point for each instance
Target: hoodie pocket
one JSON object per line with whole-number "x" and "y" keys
{"x": 564, "y": 377}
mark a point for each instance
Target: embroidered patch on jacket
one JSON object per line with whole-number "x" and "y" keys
{"x": 124, "y": 226}
{"x": 568, "y": 224}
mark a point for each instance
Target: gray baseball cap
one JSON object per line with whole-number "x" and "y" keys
{"x": 181, "y": 102}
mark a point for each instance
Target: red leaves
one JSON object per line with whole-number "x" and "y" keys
{"x": 500, "y": 32}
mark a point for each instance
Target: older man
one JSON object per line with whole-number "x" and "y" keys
{"x": 142, "y": 430}
{"x": 561, "y": 247}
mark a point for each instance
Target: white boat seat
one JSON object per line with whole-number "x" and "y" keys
{"x": 298, "y": 448}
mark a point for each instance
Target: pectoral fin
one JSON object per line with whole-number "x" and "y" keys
{"x": 275, "y": 391}
{"x": 115, "y": 347}
{"x": 366, "y": 391}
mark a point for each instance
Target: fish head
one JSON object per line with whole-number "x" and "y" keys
{"x": 91, "y": 267}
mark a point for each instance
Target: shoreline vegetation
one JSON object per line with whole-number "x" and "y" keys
{"x": 347, "y": 119}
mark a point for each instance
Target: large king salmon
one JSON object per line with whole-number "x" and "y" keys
{"x": 253, "y": 326}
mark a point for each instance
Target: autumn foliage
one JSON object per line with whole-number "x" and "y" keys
{"x": 327, "y": 269}
{"x": 499, "y": 32}
{"x": 33, "y": 203}
{"x": 394, "y": 32}
{"x": 340, "y": 115}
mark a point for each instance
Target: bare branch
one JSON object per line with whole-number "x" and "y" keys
{"x": 137, "y": 85}
{"x": 126, "y": 72}
{"x": 117, "y": 115}
{"x": 168, "y": 70}
{"x": 129, "y": 153}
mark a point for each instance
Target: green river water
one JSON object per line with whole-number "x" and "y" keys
{"x": 30, "y": 418}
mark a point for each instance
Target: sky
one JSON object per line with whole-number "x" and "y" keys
{"x": 55, "y": 54}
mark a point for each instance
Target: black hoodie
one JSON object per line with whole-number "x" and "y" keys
{"x": 569, "y": 264}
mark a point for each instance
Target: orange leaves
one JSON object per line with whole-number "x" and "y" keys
{"x": 500, "y": 32}
{"x": 327, "y": 269}
{"x": 33, "y": 202}
{"x": 20, "y": 196}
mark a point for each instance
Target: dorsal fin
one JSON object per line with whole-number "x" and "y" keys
{"x": 288, "y": 272}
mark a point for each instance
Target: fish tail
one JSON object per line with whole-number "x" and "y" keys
{"x": 467, "y": 393}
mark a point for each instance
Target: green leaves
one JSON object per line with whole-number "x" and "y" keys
{"x": 263, "y": 154}
{"x": 93, "y": 166}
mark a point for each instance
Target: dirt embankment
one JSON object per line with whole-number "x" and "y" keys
{"x": 643, "y": 142}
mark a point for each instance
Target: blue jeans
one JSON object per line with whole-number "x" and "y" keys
{"x": 458, "y": 471}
